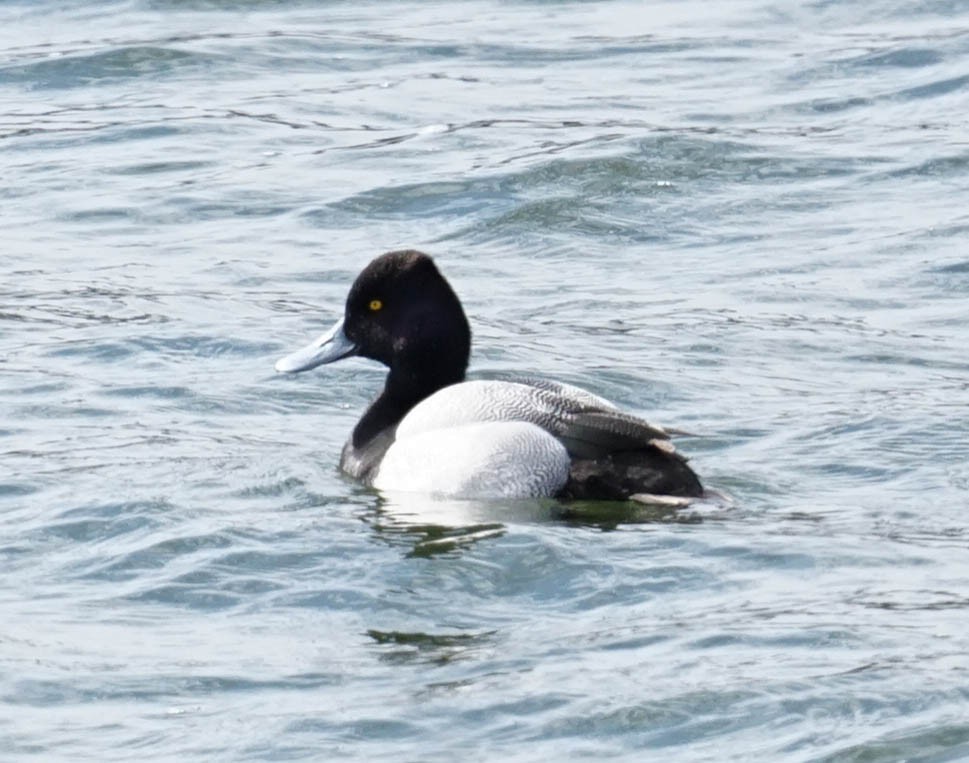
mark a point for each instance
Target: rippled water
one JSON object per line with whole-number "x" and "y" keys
{"x": 745, "y": 219}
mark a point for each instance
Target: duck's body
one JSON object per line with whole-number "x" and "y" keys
{"x": 430, "y": 431}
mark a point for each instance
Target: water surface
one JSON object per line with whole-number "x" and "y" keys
{"x": 745, "y": 220}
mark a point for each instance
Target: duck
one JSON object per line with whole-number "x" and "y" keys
{"x": 432, "y": 430}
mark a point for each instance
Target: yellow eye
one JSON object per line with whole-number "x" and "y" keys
{"x": 376, "y": 304}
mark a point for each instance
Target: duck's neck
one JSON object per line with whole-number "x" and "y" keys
{"x": 430, "y": 353}
{"x": 402, "y": 391}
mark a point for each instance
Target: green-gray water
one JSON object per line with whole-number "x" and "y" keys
{"x": 747, "y": 220}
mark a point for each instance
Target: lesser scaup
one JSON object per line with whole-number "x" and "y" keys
{"x": 431, "y": 431}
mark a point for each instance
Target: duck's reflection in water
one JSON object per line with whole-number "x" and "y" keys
{"x": 431, "y": 525}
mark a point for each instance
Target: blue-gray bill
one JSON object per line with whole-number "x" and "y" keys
{"x": 328, "y": 348}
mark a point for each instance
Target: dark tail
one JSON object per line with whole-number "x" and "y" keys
{"x": 616, "y": 476}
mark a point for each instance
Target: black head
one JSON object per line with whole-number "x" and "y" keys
{"x": 403, "y": 313}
